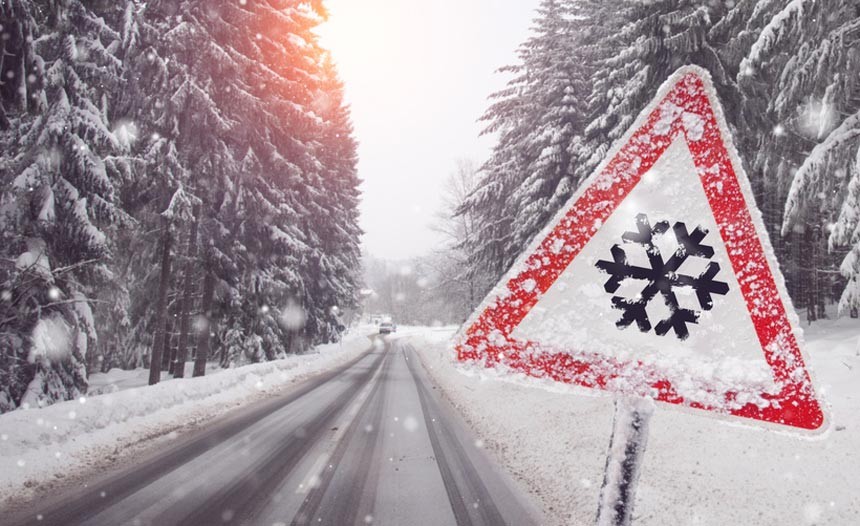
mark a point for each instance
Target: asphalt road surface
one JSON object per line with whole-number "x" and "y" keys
{"x": 369, "y": 443}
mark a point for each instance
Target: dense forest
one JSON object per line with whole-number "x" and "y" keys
{"x": 786, "y": 73}
{"x": 178, "y": 179}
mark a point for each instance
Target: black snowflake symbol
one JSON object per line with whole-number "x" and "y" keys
{"x": 662, "y": 277}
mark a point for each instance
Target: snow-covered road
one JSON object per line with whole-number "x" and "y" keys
{"x": 369, "y": 442}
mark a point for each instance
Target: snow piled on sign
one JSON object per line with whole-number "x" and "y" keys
{"x": 75, "y": 437}
{"x": 554, "y": 437}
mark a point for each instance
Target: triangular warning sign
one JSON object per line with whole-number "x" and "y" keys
{"x": 657, "y": 279}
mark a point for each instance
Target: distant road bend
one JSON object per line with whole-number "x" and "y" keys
{"x": 368, "y": 443}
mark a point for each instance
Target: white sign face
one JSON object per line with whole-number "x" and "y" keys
{"x": 657, "y": 279}
{"x": 578, "y": 313}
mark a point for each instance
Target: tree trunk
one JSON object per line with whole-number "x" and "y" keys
{"x": 161, "y": 307}
{"x": 811, "y": 271}
{"x": 222, "y": 359}
{"x": 203, "y": 334}
{"x": 185, "y": 307}
{"x": 92, "y": 358}
{"x": 169, "y": 358}
{"x": 4, "y": 120}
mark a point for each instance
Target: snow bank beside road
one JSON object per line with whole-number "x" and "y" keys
{"x": 697, "y": 470}
{"x": 119, "y": 379}
{"x": 44, "y": 445}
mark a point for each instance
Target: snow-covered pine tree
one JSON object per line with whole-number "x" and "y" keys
{"x": 176, "y": 127}
{"x": 557, "y": 83}
{"x": 802, "y": 102}
{"x": 537, "y": 119}
{"x": 336, "y": 226}
{"x": 58, "y": 199}
{"x": 645, "y": 43}
{"x": 309, "y": 156}
{"x": 113, "y": 302}
{"x": 261, "y": 65}
{"x": 18, "y": 100}
{"x": 281, "y": 61}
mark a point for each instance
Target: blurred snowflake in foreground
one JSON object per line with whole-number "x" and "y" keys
{"x": 662, "y": 277}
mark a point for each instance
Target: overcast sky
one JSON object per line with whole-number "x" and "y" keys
{"x": 417, "y": 75}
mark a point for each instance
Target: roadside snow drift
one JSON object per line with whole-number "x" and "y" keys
{"x": 39, "y": 446}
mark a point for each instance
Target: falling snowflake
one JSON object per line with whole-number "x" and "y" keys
{"x": 662, "y": 277}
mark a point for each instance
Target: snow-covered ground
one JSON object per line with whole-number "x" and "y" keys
{"x": 697, "y": 470}
{"x": 42, "y": 446}
{"x": 119, "y": 379}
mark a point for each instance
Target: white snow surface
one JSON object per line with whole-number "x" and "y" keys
{"x": 120, "y": 379}
{"x": 39, "y": 446}
{"x": 697, "y": 470}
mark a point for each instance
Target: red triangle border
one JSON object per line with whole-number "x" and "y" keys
{"x": 487, "y": 340}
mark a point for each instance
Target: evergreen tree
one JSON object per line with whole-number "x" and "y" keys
{"x": 557, "y": 84}
{"x": 802, "y": 105}
{"x": 337, "y": 222}
{"x": 538, "y": 118}
{"x": 144, "y": 141}
{"x": 267, "y": 198}
{"x": 59, "y": 197}
{"x": 782, "y": 70}
{"x": 281, "y": 61}
{"x": 646, "y": 42}
{"x": 181, "y": 147}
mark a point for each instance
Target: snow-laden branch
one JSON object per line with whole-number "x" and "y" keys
{"x": 810, "y": 171}
{"x": 180, "y": 205}
{"x": 771, "y": 34}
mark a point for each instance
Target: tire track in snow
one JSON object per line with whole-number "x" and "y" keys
{"x": 470, "y": 500}
{"x": 362, "y": 437}
{"x": 238, "y": 501}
